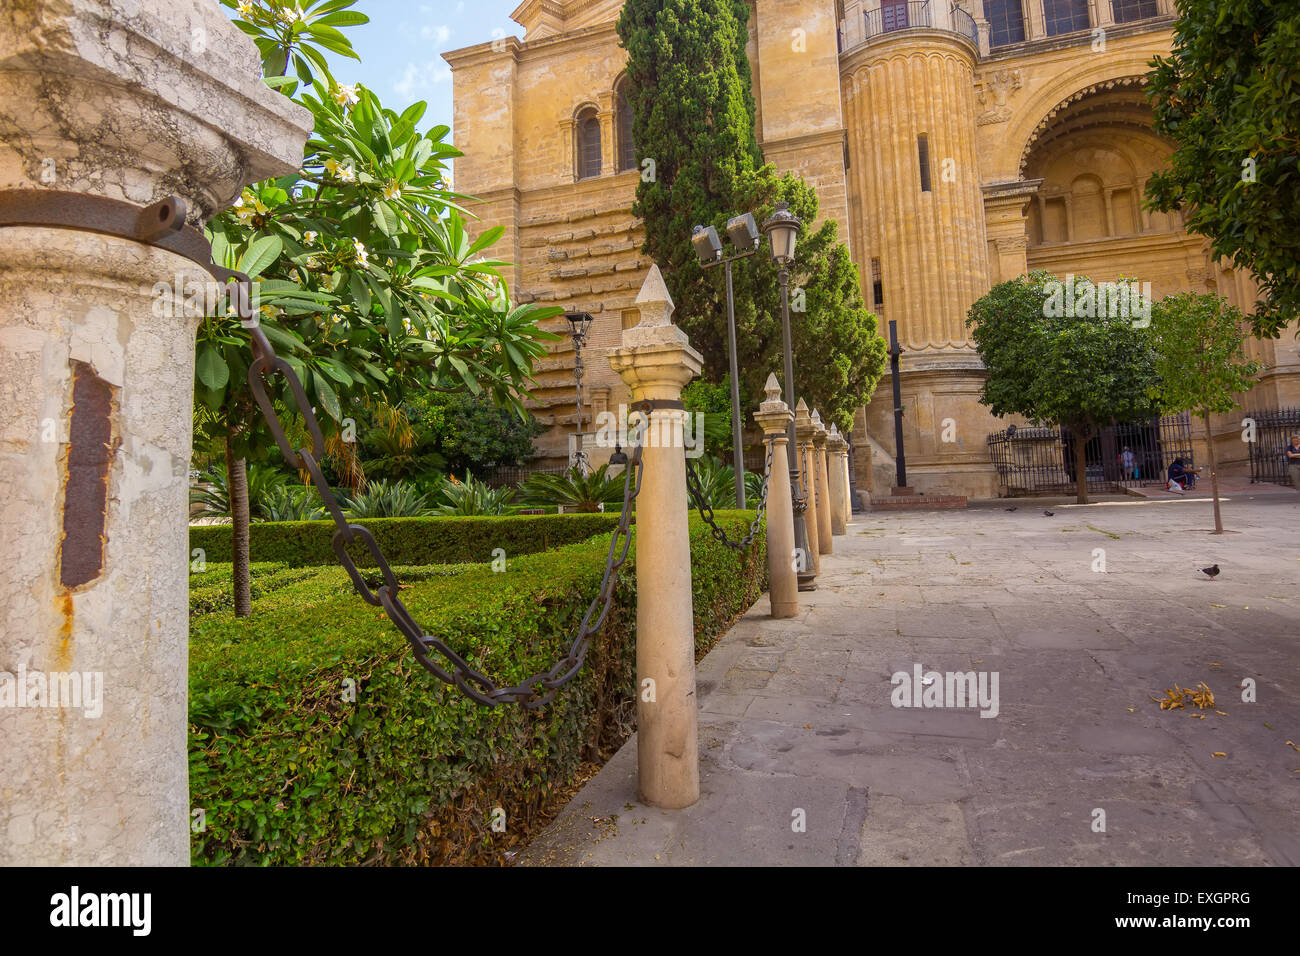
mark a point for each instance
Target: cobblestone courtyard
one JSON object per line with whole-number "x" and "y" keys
{"x": 797, "y": 722}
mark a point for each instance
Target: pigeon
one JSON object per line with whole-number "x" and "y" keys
{"x": 1049, "y": 513}
{"x": 1012, "y": 508}
{"x": 1211, "y": 571}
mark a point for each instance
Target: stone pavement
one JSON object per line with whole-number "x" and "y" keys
{"x": 796, "y": 720}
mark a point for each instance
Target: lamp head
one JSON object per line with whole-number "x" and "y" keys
{"x": 708, "y": 247}
{"x": 782, "y": 229}
{"x": 579, "y": 324}
{"x": 742, "y": 230}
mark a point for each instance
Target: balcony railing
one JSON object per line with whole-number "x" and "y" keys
{"x": 897, "y": 16}
{"x": 911, "y": 15}
{"x": 964, "y": 23}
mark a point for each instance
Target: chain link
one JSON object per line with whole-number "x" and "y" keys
{"x": 432, "y": 653}
{"x": 706, "y": 510}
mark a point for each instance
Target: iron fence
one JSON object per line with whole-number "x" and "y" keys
{"x": 1273, "y": 429}
{"x": 507, "y": 476}
{"x": 1033, "y": 461}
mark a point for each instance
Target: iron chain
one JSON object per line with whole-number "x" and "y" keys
{"x": 706, "y": 510}
{"x": 433, "y": 654}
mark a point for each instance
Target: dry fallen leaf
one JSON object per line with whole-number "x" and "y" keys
{"x": 1218, "y": 605}
{"x": 1203, "y": 697}
{"x": 1218, "y": 753}
{"x": 1134, "y": 709}
{"x": 1292, "y": 745}
{"x": 1221, "y": 713}
{"x": 1215, "y": 664}
{"x": 1197, "y": 716}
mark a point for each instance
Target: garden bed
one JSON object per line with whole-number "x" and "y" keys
{"x": 290, "y": 771}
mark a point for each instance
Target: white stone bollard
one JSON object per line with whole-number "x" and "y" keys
{"x": 774, "y": 417}
{"x": 113, "y": 99}
{"x": 835, "y": 446}
{"x": 825, "y": 543}
{"x": 803, "y": 434}
{"x": 656, "y": 360}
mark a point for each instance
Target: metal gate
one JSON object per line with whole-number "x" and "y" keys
{"x": 1273, "y": 429}
{"x": 1036, "y": 461}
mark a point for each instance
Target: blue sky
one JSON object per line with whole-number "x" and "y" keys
{"x": 401, "y": 47}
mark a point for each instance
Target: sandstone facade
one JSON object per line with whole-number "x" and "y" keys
{"x": 955, "y": 147}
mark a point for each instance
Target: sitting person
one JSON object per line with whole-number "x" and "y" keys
{"x": 1181, "y": 477}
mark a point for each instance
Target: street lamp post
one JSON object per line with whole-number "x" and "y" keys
{"x": 783, "y": 230}
{"x": 579, "y": 326}
{"x": 743, "y": 232}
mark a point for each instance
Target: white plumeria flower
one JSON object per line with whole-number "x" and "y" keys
{"x": 309, "y": 237}
{"x": 346, "y": 96}
{"x": 392, "y": 191}
{"x": 360, "y": 250}
{"x": 406, "y": 323}
{"x": 346, "y": 174}
{"x": 245, "y": 9}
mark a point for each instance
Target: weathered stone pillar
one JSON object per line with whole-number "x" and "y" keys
{"x": 848, "y": 485}
{"x": 835, "y": 448}
{"x": 656, "y": 360}
{"x": 820, "y": 432}
{"x": 803, "y": 434}
{"x": 131, "y": 101}
{"x": 783, "y": 583}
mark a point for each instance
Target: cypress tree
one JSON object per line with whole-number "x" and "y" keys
{"x": 690, "y": 92}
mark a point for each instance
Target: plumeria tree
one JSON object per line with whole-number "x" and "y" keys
{"x": 368, "y": 285}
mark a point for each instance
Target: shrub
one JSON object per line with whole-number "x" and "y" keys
{"x": 407, "y": 540}
{"x": 583, "y": 493}
{"x": 213, "y": 495}
{"x": 383, "y": 500}
{"x": 290, "y": 771}
{"x": 292, "y": 503}
{"x": 473, "y": 497}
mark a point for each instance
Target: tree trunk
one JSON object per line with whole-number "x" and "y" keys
{"x": 237, "y": 489}
{"x": 1214, "y": 473}
{"x": 1081, "y": 467}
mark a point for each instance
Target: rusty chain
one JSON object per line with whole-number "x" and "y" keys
{"x": 432, "y": 653}
{"x": 163, "y": 225}
{"x": 706, "y": 509}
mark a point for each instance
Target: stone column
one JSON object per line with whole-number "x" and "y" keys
{"x": 824, "y": 543}
{"x": 848, "y": 486}
{"x": 783, "y": 588}
{"x": 130, "y": 101}
{"x": 803, "y": 434}
{"x": 656, "y": 360}
{"x": 835, "y": 455}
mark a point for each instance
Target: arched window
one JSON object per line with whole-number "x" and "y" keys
{"x": 587, "y": 140}
{"x": 626, "y": 152}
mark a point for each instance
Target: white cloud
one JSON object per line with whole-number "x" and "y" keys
{"x": 419, "y": 79}
{"x": 439, "y": 33}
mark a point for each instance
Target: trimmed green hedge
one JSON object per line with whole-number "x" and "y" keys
{"x": 289, "y": 772}
{"x": 406, "y": 540}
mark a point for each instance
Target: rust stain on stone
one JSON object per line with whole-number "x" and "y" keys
{"x": 85, "y": 490}
{"x": 63, "y": 654}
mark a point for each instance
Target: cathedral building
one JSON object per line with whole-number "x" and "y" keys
{"x": 955, "y": 144}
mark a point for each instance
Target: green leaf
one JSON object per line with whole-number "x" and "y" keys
{"x": 211, "y": 368}
{"x": 259, "y": 255}
{"x": 328, "y": 399}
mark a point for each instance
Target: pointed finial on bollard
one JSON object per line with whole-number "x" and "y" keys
{"x": 817, "y": 418}
{"x": 772, "y": 388}
{"x": 835, "y": 430}
{"x": 653, "y": 300}
{"x": 802, "y": 407}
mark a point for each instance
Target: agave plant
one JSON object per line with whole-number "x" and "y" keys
{"x": 717, "y": 482}
{"x": 573, "y": 489}
{"x": 473, "y": 497}
{"x": 212, "y": 495}
{"x": 382, "y": 499}
{"x": 298, "y": 503}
